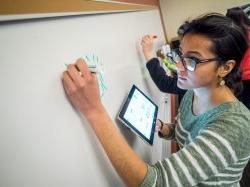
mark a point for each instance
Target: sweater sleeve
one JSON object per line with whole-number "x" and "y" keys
{"x": 217, "y": 157}
{"x": 164, "y": 82}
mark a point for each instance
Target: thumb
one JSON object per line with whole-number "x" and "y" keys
{"x": 159, "y": 125}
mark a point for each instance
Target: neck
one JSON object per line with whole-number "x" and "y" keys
{"x": 207, "y": 98}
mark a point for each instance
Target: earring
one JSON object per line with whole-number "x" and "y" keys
{"x": 222, "y": 82}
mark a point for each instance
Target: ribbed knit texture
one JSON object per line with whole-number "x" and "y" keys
{"x": 215, "y": 147}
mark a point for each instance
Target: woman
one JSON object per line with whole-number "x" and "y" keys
{"x": 213, "y": 126}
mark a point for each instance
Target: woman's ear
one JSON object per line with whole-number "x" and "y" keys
{"x": 226, "y": 68}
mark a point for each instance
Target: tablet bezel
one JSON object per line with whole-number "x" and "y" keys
{"x": 129, "y": 125}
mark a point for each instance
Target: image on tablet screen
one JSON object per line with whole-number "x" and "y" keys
{"x": 140, "y": 113}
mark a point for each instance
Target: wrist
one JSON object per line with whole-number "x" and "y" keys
{"x": 94, "y": 114}
{"x": 149, "y": 57}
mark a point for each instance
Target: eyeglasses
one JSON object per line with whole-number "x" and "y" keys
{"x": 189, "y": 63}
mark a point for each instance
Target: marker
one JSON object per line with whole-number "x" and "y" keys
{"x": 92, "y": 69}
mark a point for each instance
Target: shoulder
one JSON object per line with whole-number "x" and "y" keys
{"x": 233, "y": 114}
{"x": 235, "y": 111}
{"x": 232, "y": 123}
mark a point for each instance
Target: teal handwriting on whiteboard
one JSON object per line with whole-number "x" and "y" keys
{"x": 94, "y": 60}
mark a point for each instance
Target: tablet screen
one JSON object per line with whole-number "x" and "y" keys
{"x": 139, "y": 113}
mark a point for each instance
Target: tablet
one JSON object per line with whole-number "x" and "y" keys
{"x": 139, "y": 113}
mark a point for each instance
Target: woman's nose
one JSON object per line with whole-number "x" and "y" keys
{"x": 180, "y": 66}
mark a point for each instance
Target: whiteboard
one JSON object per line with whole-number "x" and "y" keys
{"x": 43, "y": 140}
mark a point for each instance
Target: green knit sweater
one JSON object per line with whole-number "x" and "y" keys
{"x": 215, "y": 147}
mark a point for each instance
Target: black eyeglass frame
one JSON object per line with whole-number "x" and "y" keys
{"x": 194, "y": 60}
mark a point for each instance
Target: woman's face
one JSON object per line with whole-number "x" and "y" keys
{"x": 205, "y": 74}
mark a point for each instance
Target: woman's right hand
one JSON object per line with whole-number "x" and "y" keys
{"x": 81, "y": 87}
{"x": 147, "y": 46}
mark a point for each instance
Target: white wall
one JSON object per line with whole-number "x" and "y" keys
{"x": 175, "y": 12}
{"x": 43, "y": 141}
